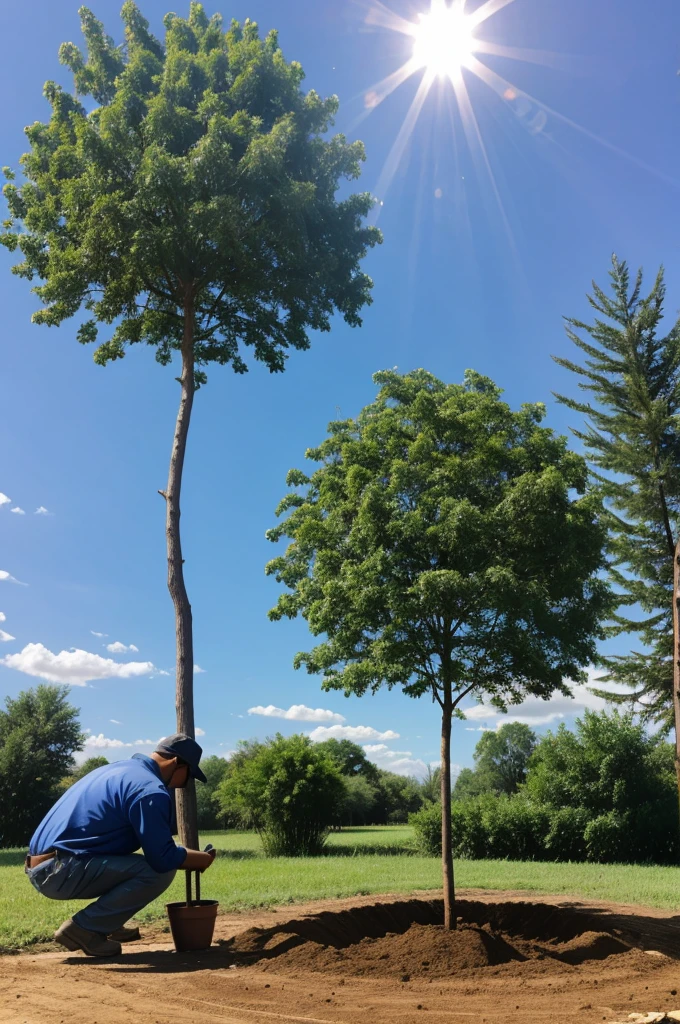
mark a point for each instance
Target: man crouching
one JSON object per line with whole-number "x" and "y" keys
{"x": 83, "y": 848}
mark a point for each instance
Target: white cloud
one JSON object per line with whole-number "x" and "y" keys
{"x": 162, "y": 672}
{"x": 102, "y": 742}
{"x": 3, "y": 617}
{"x": 42, "y": 511}
{"x": 355, "y": 733}
{"x": 95, "y": 633}
{"x": 118, "y": 648}
{"x": 114, "y": 721}
{"x": 401, "y": 762}
{"x": 200, "y": 732}
{"x": 5, "y": 637}
{"x": 75, "y": 667}
{"x": 18, "y": 511}
{"x": 4, "y": 575}
{"x": 534, "y": 711}
{"x": 297, "y": 713}
{"x": 198, "y": 669}
{"x": 4, "y": 500}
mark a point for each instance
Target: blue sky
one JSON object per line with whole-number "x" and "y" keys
{"x": 472, "y": 273}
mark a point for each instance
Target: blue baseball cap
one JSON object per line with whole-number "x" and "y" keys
{"x": 182, "y": 746}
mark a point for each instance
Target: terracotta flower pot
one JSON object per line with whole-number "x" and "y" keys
{"x": 192, "y": 925}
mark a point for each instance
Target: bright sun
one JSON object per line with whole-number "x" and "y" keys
{"x": 443, "y": 39}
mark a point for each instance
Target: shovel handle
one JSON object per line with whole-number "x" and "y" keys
{"x": 187, "y": 877}
{"x": 198, "y": 886}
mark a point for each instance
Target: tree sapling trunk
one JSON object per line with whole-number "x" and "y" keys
{"x": 447, "y": 846}
{"x": 676, "y": 660}
{"x": 187, "y": 818}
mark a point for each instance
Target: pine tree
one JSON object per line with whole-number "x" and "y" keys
{"x": 632, "y": 442}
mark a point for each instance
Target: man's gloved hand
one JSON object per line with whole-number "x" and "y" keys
{"x": 210, "y": 849}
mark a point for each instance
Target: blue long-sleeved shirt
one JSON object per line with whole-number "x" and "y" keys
{"x": 115, "y": 810}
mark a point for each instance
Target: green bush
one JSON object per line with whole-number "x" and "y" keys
{"x": 515, "y": 828}
{"x": 496, "y": 827}
{"x": 287, "y": 789}
{"x": 608, "y": 838}
{"x": 427, "y": 827}
{"x": 565, "y": 839}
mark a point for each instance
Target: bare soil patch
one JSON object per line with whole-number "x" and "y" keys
{"x": 336, "y": 962}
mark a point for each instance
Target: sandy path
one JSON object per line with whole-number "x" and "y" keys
{"x": 151, "y": 984}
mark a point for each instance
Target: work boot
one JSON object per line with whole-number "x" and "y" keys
{"x": 74, "y": 937}
{"x": 125, "y": 934}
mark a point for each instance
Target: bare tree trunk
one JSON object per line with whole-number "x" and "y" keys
{"x": 676, "y": 659}
{"x": 187, "y": 819}
{"x": 447, "y": 846}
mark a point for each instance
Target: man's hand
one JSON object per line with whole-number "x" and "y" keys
{"x": 198, "y": 860}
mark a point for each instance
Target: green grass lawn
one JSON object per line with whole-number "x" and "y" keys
{"x": 359, "y": 861}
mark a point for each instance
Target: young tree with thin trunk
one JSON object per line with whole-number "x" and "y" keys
{"x": 444, "y": 545}
{"x": 192, "y": 204}
{"x": 631, "y": 375}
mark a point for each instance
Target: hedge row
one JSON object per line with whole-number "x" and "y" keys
{"x": 514, "y": 828}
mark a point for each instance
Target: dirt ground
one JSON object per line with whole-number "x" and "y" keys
{"x": 372, "y": 960}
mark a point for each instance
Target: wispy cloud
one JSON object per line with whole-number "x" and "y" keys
{"x": 3, "y": 617}
{"x": 198, "y": 670}
{"x": 76, "y": 667}
{"x": 102, "y": 742}
{"x": 4, "y": 500}
{"x": 534, "y": 711}
{"x": 114, "y": 721}
{"x": 4, "y": 575}
{"x": 5, "y": 637}
{"x": 355, "y": 733}
{"x": 297, "y": 713}
{"x": 18, "y": 511}
{"x": 42, "y": 511}
{"x": 95, "y": 633}
{"x": 200, "y": 732}
{"x": 401, "y": 762}
{"x": 118, "y": 648}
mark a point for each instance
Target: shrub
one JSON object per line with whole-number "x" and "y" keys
{"x": 427, "y": 825}
{"x": 286, "y": 788}
{"x": 565, "y": 839}
{"x": 515, "y": 828}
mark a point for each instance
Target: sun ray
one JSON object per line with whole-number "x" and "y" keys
{"x": 475, "y": 138}
{"x": 506, "y": 91}
{"x": 382, "y": 17}
{"x": 487, "y": 10}
{"x": 399, "y": 145}
{"x": 546, "y": 58}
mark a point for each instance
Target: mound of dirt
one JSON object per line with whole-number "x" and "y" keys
{"x": 406, "y": 940}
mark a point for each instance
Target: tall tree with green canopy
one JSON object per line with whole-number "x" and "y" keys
{"x": 631, "y": 376}
{"x": 502, "y": 756}
{"x": 444, "y": 545}
{"x": 190, "y": 205}
{"x": 39, "y": 734}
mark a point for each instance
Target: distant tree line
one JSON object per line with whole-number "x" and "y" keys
{"x": 604, "y": 792}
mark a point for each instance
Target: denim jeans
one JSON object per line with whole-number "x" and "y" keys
{"x": 123, "y": 886}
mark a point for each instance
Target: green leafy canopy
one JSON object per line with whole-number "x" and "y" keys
{"x": 444, "y": 544}
{"x": 199, "y": 177}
